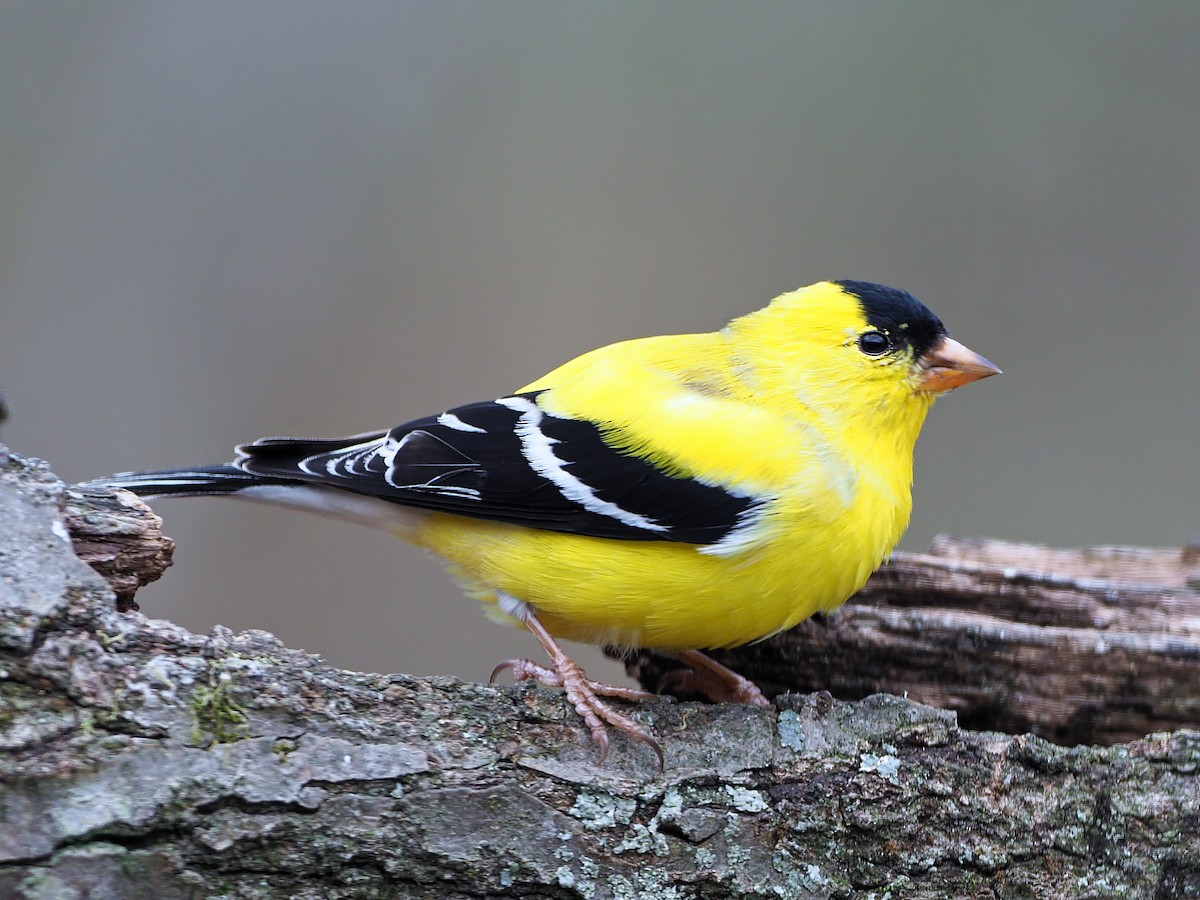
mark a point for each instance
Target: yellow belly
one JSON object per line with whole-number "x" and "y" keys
{"x": 664, "y": 595}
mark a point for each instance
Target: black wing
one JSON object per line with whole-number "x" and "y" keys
{"x": 510, "y": 461}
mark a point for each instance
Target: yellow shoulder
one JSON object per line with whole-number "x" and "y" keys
{"x": 680, "y": 402}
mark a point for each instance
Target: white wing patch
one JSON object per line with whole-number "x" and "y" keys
{"x": 748, "y": 531}
{"x": 450, "y": 420}
{"x": 538, "y": 450}
{"x": 360, "y": 461}
{"x": 348, "y": 462}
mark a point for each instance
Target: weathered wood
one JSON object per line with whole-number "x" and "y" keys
{"x": 139, "y": 760}
{"x": 120, "y": 537}
{"x": 1100, "y": 645}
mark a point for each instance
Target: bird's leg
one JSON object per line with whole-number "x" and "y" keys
{"x": 583, "y": 693}
{"x": 706, "y": 676}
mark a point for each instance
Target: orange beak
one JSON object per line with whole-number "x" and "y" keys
{"x": 948, "y": 364}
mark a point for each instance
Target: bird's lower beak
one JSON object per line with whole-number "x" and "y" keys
{"x": 948, "y": 364}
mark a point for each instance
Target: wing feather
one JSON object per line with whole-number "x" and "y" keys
{"x": 510, "y": 461}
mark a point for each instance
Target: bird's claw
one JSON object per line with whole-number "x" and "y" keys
{"x": 584, "y": 695}
{"x": 707, "y": 677}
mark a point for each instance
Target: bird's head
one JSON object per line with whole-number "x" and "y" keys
{"x": 854, "y": 347}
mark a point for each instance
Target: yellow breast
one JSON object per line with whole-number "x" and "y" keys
{"x": 811, "y": 557}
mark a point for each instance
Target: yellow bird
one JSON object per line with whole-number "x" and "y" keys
{"x": 677, "y": 493}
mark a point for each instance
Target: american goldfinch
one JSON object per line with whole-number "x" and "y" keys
{"x": 679, "y": 493}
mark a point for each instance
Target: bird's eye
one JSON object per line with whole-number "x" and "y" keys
{"x": 874, "y": 343}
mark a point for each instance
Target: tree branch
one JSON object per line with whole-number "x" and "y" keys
{"x": 138, "y": 759}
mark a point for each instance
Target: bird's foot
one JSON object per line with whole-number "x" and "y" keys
{"x": 585, "y": 695}
{"x": 708, "y": 677}
{"x": 528, "y": 670}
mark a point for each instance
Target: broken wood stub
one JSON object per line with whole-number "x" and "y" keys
{"x": 120, "y": 537}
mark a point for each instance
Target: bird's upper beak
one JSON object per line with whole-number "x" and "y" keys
{"x": 948, "y": 364}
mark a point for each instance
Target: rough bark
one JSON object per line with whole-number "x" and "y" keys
{"x": 139, "y": 760}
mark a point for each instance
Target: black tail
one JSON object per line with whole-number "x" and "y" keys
{"x": 197, "y": 482}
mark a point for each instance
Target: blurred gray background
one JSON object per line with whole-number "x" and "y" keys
{"x": 224, "y": 220}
